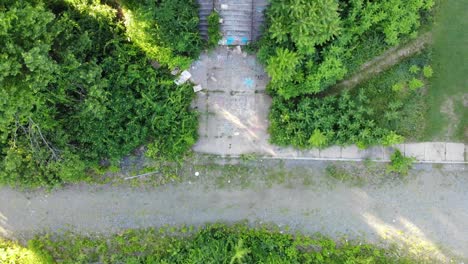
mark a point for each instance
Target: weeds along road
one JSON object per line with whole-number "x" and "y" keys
{"x": 426, "y": 212}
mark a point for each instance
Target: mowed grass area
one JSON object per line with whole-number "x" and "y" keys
{"x": 447, "y": 116}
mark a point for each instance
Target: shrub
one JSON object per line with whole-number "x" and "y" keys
{"x": 80, "y": 92}
{"x": 415, "y": 84}
{"x": 414, "y": 69}
{"x": 427, "y": 71}
{"x": 329, "y": 36}
{"x": 318, "y": 139}
{"x": 398, "y": 87}
{"x": 214, "y": 29}
{"x": 319, "y": 122}
{"x": 399, "y": 163}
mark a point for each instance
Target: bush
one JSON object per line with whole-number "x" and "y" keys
{"x": 329, "y": 36}
{"x": 214, "y": 29}
{"x": 80, "y": 92}
{"x": 415, "y": 84}
{"x": 400, "y": 164}
{"x": 319, "y": 122}
{"x": 427, "y": 71}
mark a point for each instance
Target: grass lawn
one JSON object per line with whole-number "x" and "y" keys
{"x": 447, "y": 117}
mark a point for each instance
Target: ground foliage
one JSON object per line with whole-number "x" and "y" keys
{"x": 214, "y": 29}
{"x": 215, "y": 243}
{"x": 384, "y": 110}
{"x": 76, "y": 89}
{"x": 308, "y": 46}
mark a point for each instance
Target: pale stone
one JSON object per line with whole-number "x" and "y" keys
{"x": 310, "y": 153}
{"x": 197, "y": 88}
{"x": 416, "y": 150}
{"x": 351, "y": 152}
{"x": 333, "y": 152}
{"x": 435, "y": 151}
{"x": 183, "y": 78}
{"x": 455, "y": 152}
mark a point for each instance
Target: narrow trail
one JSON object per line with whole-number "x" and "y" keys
{"x": 425, "y": 211}
{"x": 383, "y": 62}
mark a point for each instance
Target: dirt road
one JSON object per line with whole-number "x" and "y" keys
{"x": 427, "y": 213}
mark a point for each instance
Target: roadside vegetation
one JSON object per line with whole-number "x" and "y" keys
{"x": 306, "y": 54}
{"x": 85, "y": 83}
{"x": 214, "y": 243}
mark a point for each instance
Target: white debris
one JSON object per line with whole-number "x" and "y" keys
{"x": 236, "y": 133}
{"x": 213, "y": 79}
{"x": 175, "y": 71}
{"x": 197, "y": 173}
{"x": 197, "y": 88}
{"x": 224, "y": 6}
{"x": 221, "y": 21}
{"x": 183, "y": 78}
{"x": 238, "y": 50}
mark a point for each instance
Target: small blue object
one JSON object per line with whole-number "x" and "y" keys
{"x": 249, "y": 82}
{"x": 229, "y": 40}
{"x": 245, "y": 40}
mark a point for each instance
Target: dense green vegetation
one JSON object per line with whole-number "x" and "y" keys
{"x": 216, "y": 243}
{"x": 84, "y": 82}
{"x": 308, "y": 46}
{"x": 214, "y": 29}
{"x": 384, "y": 110}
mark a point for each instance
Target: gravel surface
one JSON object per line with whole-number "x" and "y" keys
{"x": 426, "y": 213}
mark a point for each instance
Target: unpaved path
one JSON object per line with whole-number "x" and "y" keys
{"x": 429, "y": 212}
{"x": 383, "y": 62}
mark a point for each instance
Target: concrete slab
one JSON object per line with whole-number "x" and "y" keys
{"x": 351, "y": 152}
{"x": 285, "y": 152}
{"x": 333, "y": 152}
{"x": 235, "y": 118}
{"x": 388, "y": 151}
{"x": 312, "y": 153}
{"x": 375, "y": 153}
{"x": 416, "y": 150}
{"x": 455, "y": 152}
{"x": 435, "y": 151}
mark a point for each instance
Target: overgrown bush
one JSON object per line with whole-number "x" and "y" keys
{"x": 166, "y": 30}
{"x": 75, "y": 90}
{"x": 217, "y": 243}
{"x": 319, "y": 122}
{"x": 214, "y": 29}
{"x": 400, "y": 164}
{"x": 384, "y": 110}
{"x": 322, "y": 39}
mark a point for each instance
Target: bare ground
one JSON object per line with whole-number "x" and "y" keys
{"x": 426, "y": 214}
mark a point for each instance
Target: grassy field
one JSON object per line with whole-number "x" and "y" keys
{"x": 447, "y": 117}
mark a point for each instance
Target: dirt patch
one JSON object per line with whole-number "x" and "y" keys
{"x": 465, "y": 100}
{"x": 448, "y": 109}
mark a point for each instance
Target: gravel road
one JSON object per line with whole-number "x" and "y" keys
{"x": 426, "y": 213}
